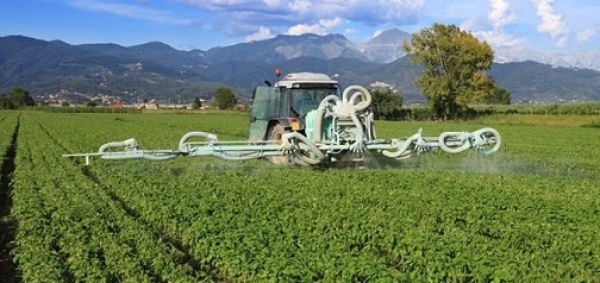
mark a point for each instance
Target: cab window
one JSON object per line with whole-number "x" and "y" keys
{"x": 265, "y": 103}
{"x": 305, "y": 100}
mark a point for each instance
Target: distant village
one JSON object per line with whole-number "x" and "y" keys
{"x": 75, "y": 100}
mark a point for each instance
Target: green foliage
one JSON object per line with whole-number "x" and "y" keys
{"x": 386, "y": 103}
{"x": 196, "y": 104}
{"x": 573, "y": 108}
{"x": 517, "y": 217}
{"x": 18, "y": 97}
{"x": 98, "y": 109}
{"x": 5, "y": 102}
{"x": 224, "y": 98}
{"x": 499, "y": 96}
{"x": 454, "y": 62}
{"x": 91, "y": 103}
{"x": 422, "y": 113}
{"x": 70, "y": 229}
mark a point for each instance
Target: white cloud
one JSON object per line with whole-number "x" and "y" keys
{"x": 471, "y": 24}
{"x": 585, "y": 35}
{"x": 130, "y": 11}
{"x": 499, "y": 38}
{"x": 300, "y": 16}
{"x": 321, "y": 28}
{"x": 500, "y": 15}
{"x": 304, "y": 28}
{"x": 301, "y": 6}
{"x": 351, "y": 32}
{"x": 262, "y": 33}
{"x": 377, "y": 33}
{"x": 552, "y": 23}
{"x": 330, "y": 23}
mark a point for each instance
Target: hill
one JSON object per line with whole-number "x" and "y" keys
{"x": 55, "y": 69}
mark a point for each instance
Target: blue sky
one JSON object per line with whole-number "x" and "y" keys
{"x": 542, "y": 25}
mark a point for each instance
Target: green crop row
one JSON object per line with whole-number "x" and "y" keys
{"x": 254, "y": 222}
{"x": 8, "y": 122}
{"x": 100, "y": 109}
{"x": 70, "y": 230}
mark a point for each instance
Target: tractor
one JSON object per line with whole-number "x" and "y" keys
{"x": 308, "y": 119}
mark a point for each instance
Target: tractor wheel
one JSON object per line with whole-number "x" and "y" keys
{"x": 275, "y": 134}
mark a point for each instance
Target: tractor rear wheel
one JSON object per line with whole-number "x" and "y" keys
{"x": 275, "y": 133}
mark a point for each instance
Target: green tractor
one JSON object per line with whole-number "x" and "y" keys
{"x": 283, "y": 108}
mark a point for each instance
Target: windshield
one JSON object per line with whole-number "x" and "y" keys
{"x": 305, "y": 100}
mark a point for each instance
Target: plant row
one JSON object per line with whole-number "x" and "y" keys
{"x": 8, "y": 122}
{"x": 70, "y": 230}
{"x": 266, "y": 224}
{"x": 100, "y": 109}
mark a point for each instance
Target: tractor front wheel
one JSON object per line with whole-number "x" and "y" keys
{"x": 275, "y": 133}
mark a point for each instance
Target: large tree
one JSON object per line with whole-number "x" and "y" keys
{"x": 455, "y": 64}
{"x": 224, "y": 98}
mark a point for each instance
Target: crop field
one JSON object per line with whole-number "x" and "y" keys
{"x": 529, "y": 213}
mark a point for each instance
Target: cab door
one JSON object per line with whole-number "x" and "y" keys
{"x": 265, "y": 107}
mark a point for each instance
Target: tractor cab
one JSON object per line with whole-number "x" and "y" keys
{"x": 283, "y": 107}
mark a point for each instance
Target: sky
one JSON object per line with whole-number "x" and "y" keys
{"x": 542, "y": 25}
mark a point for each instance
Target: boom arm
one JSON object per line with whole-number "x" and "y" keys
{"x": 298, "y": 146}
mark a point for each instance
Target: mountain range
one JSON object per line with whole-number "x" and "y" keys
{"x": 154, "y": 70}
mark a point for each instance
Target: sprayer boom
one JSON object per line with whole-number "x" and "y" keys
{"x": 338, "y": 127}
{"x": 300, "y": 149}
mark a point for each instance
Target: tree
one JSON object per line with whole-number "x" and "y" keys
{"x": 20, "y": 97}
{"x": 224, "y": 98}
{"x": 454, "y": 64}
{"x": 91, "y": 103}
{"x": 5, "y": 102}
{"x": 385, "y": 103}
{"x": 16, "y": 98}
{"x": 499, "y": 96}
{"x": 196, "y": 104}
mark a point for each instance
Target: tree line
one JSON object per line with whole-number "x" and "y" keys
{"x": 16, "y": 98}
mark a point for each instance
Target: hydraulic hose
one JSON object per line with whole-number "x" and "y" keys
{"x": 129, "y": 144}
{"x": 183, "y": 141}
{"x": 361, "y": 92}
{"x": 344, "y": 103}
{"x": 318, "y": 127}
{"x": 286, "y": 138}
{"x": 403, "y": 149}
{"x": 475, "y": 140}
{"x": 481, "y": 141}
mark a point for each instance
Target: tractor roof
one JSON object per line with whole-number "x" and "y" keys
{"x": 304, "y": 77}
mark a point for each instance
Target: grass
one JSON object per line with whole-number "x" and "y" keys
{"x": 539, "y": 120}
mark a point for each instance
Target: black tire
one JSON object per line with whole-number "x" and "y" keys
{"x": 275, "y": 133}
